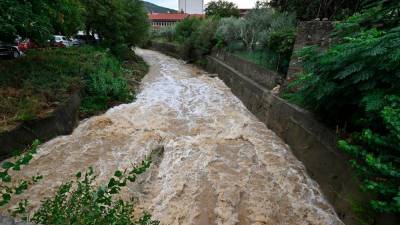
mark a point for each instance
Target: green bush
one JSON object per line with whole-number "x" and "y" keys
{"x": 355, "y": 86}
{"x": 7, "y": 189}
{"x": 204, "y": 37}
{"x": 168, "y": 33}
{"x": 228, "y": 31}
{"x": 43, "y": 78}
{"x": 79, "y": 203}
{"x": 186, "y": 28}
{"x": 87, "y": 204}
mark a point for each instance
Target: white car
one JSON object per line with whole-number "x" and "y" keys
{"x": 59, "y": 39}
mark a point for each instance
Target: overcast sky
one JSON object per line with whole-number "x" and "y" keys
{"x": 173, "y": 4}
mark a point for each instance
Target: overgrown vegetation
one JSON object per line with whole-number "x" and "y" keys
{"x": 117, "y": 23}
{"x": 7, "y": 189}
{"x": 262, "y": 32}
{"x": 355, "y": 85}
{"x": 80, "y": 202}
{"x": 83, "y": 203}
{"x": 34, "y": 85}
{"x": 38, "y": 19}
{"x": 312, "y": 9}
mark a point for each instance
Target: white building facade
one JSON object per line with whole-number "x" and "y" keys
{"x": 191, "y": 6}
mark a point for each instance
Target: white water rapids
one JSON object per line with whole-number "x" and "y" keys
{"x": 220, "y": 164}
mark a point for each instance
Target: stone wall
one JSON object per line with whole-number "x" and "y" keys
{"x": 61, "y": 122}
{"x": 309, "y": 33}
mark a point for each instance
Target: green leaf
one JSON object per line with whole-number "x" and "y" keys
{"x": 6, "y": 178}
{"x": 6, "y": 197}
{"x": 118, "y": 173}
{"x": 7, "y": 165}
{"x": 112, "y": 183}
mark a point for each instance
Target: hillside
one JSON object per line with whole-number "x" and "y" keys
{"x": 157, "y": 9}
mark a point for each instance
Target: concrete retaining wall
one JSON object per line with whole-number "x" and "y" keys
{"x": 310, "y": 141}
{"x": 262, "y": 76}
{"x": 61, "y": 122}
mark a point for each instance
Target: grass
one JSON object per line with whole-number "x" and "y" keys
{"x": 33, "y": 86}
{"x": 267, "y": 60}
{"x": 165, "y": 40}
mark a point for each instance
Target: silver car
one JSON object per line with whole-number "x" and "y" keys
{"x": 59, "y": 39}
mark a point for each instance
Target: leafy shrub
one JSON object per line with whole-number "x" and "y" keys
{"x": 77, "y": 203}
{"x": 87, "y": 204}
{"x": 355, "y": 85}
{"x": 377, "y": 153}
{"x": 42, "y": 79}
{"x": 228, "y": 31}
{"x": 6, "y": 189}
{"x": 205, "y": 36}
{"x": 186, "y": 28}
{"x": 280, "y": 38}
{"x": 168, "y": 32}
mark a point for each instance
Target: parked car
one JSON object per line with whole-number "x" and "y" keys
{"x": 60, "y": 41}
{"x": 86, "y": 39}
{"x": 27, "y": 44}
{"x": 10, "y": 51}
{"x": 76, "y": 42}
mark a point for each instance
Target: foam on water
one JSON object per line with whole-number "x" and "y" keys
{"x": 220, "y": 165}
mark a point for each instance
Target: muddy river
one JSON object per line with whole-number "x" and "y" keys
{"x": 220, "y": 164}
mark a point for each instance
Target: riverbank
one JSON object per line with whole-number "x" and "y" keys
{"x": 81, "y": 82}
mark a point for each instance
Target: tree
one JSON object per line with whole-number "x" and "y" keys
{"x": 66, "y": 16}
{"x": 186, "y": 28}
{"x": 26, "y": 19}
{"x": 116, "y": 21}
{"x": 256, "y": 23}
{"x": 228, "y": 30}
{"x": 311, "y": 9}
{"x": 222, "y": 8}
{"x": 38, "y": 19}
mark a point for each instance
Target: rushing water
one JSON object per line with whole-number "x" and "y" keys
{"x": 220, "y": 165}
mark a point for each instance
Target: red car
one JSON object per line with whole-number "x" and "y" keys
{"x": 27, "y": 44}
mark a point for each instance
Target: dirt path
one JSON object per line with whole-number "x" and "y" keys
{"x": 220, "y": 165}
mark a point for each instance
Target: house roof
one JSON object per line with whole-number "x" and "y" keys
{"x": 167, "y": 16}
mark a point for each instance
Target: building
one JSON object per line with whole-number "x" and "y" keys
{"x": 166, "y": 19}
{"x": 191, "y": 6}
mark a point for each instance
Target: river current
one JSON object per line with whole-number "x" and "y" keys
{"x": 220, "y": 164}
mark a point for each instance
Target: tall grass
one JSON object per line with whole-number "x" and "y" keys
{"x": 35, "y": 84}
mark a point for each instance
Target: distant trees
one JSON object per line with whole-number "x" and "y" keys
{"x": 116, "y": 21}
{"x": 311, "y": 9}
{"x": 37, "y": 19}
{"x": 222, "y": 8}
